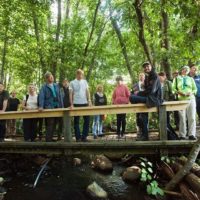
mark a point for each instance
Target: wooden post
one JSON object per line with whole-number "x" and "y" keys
{"x": 67, "y": 127}
{"x": 162, "y": 122}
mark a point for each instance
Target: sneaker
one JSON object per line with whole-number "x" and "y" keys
{"x": 142, "y": 138}
{"x": 192, "y": 137}
{"x": 95, "y": 137}
{"x": 182, "y": 138}
{"x": 84, "y": 140}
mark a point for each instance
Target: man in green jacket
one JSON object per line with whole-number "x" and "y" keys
{"x": 185, "y": 88}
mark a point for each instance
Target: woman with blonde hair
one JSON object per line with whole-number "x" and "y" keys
{"x": 99, "y": 100}
{"x": 30, "y": 102}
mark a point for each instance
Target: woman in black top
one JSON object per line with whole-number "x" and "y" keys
{"x": 99, "y": 100}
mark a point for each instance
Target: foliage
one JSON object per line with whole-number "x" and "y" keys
{"x": 30, "y": 28}
{"x": 147, "y": 176}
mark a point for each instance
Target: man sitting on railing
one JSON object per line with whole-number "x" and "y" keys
{"x": 50, "y": 98}
{"x": 151, "y": 96}
{"x": 4, "y": 96}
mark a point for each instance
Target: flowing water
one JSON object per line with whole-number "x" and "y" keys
{"x": 63, "y": 181}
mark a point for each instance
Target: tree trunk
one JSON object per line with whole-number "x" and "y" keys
{"x": 123, "y": 45}
{"x": 56, "y": 45}
{"x": 63, "y": 51}
{"x": 90, "y": 34}
{"x": 38, "y": 39}
{"x": 165, "y": 40}
{"x": 4, "y": 51}
{"x": 141, "y": 36}
{"x": 95, "y": 53}
{"x": 186, "y": 168}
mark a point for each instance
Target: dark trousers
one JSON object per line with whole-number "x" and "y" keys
{"x": 50, "y": 124}
{"x": 39, "y": 127}
{"x": 142, "y": 118}
{"x": 86, "y": 124}
{"x": 198, "y": 106}
{"x": 2, "y": 129}
{"x": 30, "y": 129}
{"x": 121, "y": 123}
{"x": 176, "y": 119}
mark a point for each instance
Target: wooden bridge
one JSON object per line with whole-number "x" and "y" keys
{"x": 69, "y": 147}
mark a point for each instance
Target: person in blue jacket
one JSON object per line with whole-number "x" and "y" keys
{"x": 50, "y": 98}
{"x": 194, "y": 74}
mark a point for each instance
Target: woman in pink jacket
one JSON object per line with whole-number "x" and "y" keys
{"x": 121, "y": 96}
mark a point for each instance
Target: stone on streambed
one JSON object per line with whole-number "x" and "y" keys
{"x": 102, "y": 163}
{"x": 131, "y": 174}
{"x": 77, "y": 161}
{"x": 95, "y": 191}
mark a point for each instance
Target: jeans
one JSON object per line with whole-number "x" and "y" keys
{"x": 30, "y": 129}
{"x": 86, "y": 124}
{"x": 137, "y": 99}
{"x": 142, "y": 118}
{"x": 198, "y": 106}
{"x": 190, "y": 115}
{"x": 121, "y": 123}
{"x": 2, "y": 129}
{"x": 97, "y": 126}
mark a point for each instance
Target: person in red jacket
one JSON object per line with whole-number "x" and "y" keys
{"x": 121, "y": 96}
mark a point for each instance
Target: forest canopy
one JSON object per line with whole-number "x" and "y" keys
{"x": 105, "y": 38}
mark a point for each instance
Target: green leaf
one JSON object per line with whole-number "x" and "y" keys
{"x": 150, "y": 164}
{"x": 150, "y": 170}
{"x": 144, "y": 171}
{"x": 149, "y": 190}
{"x": 143, "y": 164}
{"x": 149, "y": 177}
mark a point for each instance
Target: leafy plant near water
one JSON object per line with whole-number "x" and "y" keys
{"x": 148, "y": 178}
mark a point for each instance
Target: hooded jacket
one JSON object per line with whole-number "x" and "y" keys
{"x": 153, "y": 90}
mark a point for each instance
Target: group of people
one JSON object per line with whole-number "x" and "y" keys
{"x": 151, "y": 89}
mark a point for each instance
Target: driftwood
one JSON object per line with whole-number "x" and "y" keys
{"x": 186, "y": 193}
{"x": 195, "y": 168}
{"x": 192, "y": 179}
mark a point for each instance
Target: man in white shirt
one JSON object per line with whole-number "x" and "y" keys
{"x": 80, "y": 97}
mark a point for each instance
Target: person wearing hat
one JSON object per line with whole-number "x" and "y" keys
{"x": 120, "y": 96}
{"x": 4, "y": 96}
{"x": 50, "y": 98}
{"x": 151, "y": 96}
{"x": 185, "y": 89}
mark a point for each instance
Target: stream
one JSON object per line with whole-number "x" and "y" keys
{"x": 63, "y": 181}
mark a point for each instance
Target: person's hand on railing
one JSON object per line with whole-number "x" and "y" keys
{"x": 40, "y": 109}
{"x": 71, "y": 107}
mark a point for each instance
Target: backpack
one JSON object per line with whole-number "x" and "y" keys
{"x": 171, "y": 134}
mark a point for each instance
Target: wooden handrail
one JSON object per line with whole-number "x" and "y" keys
{"x": 93, "y": 110}
{"x": 67, "y": 113}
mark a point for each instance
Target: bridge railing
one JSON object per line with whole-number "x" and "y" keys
{"x": 66, "y": 114}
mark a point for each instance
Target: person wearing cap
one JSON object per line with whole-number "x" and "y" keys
{"x": 193, "y": 73}
{"x": 120, "y": 96}
{"x": 151, "y": 96}
{"x": 4, "y": 96}
{"x": 50, "y": 98}
{"x": 185, "y": 88}
{"x": 80, "y": 97}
